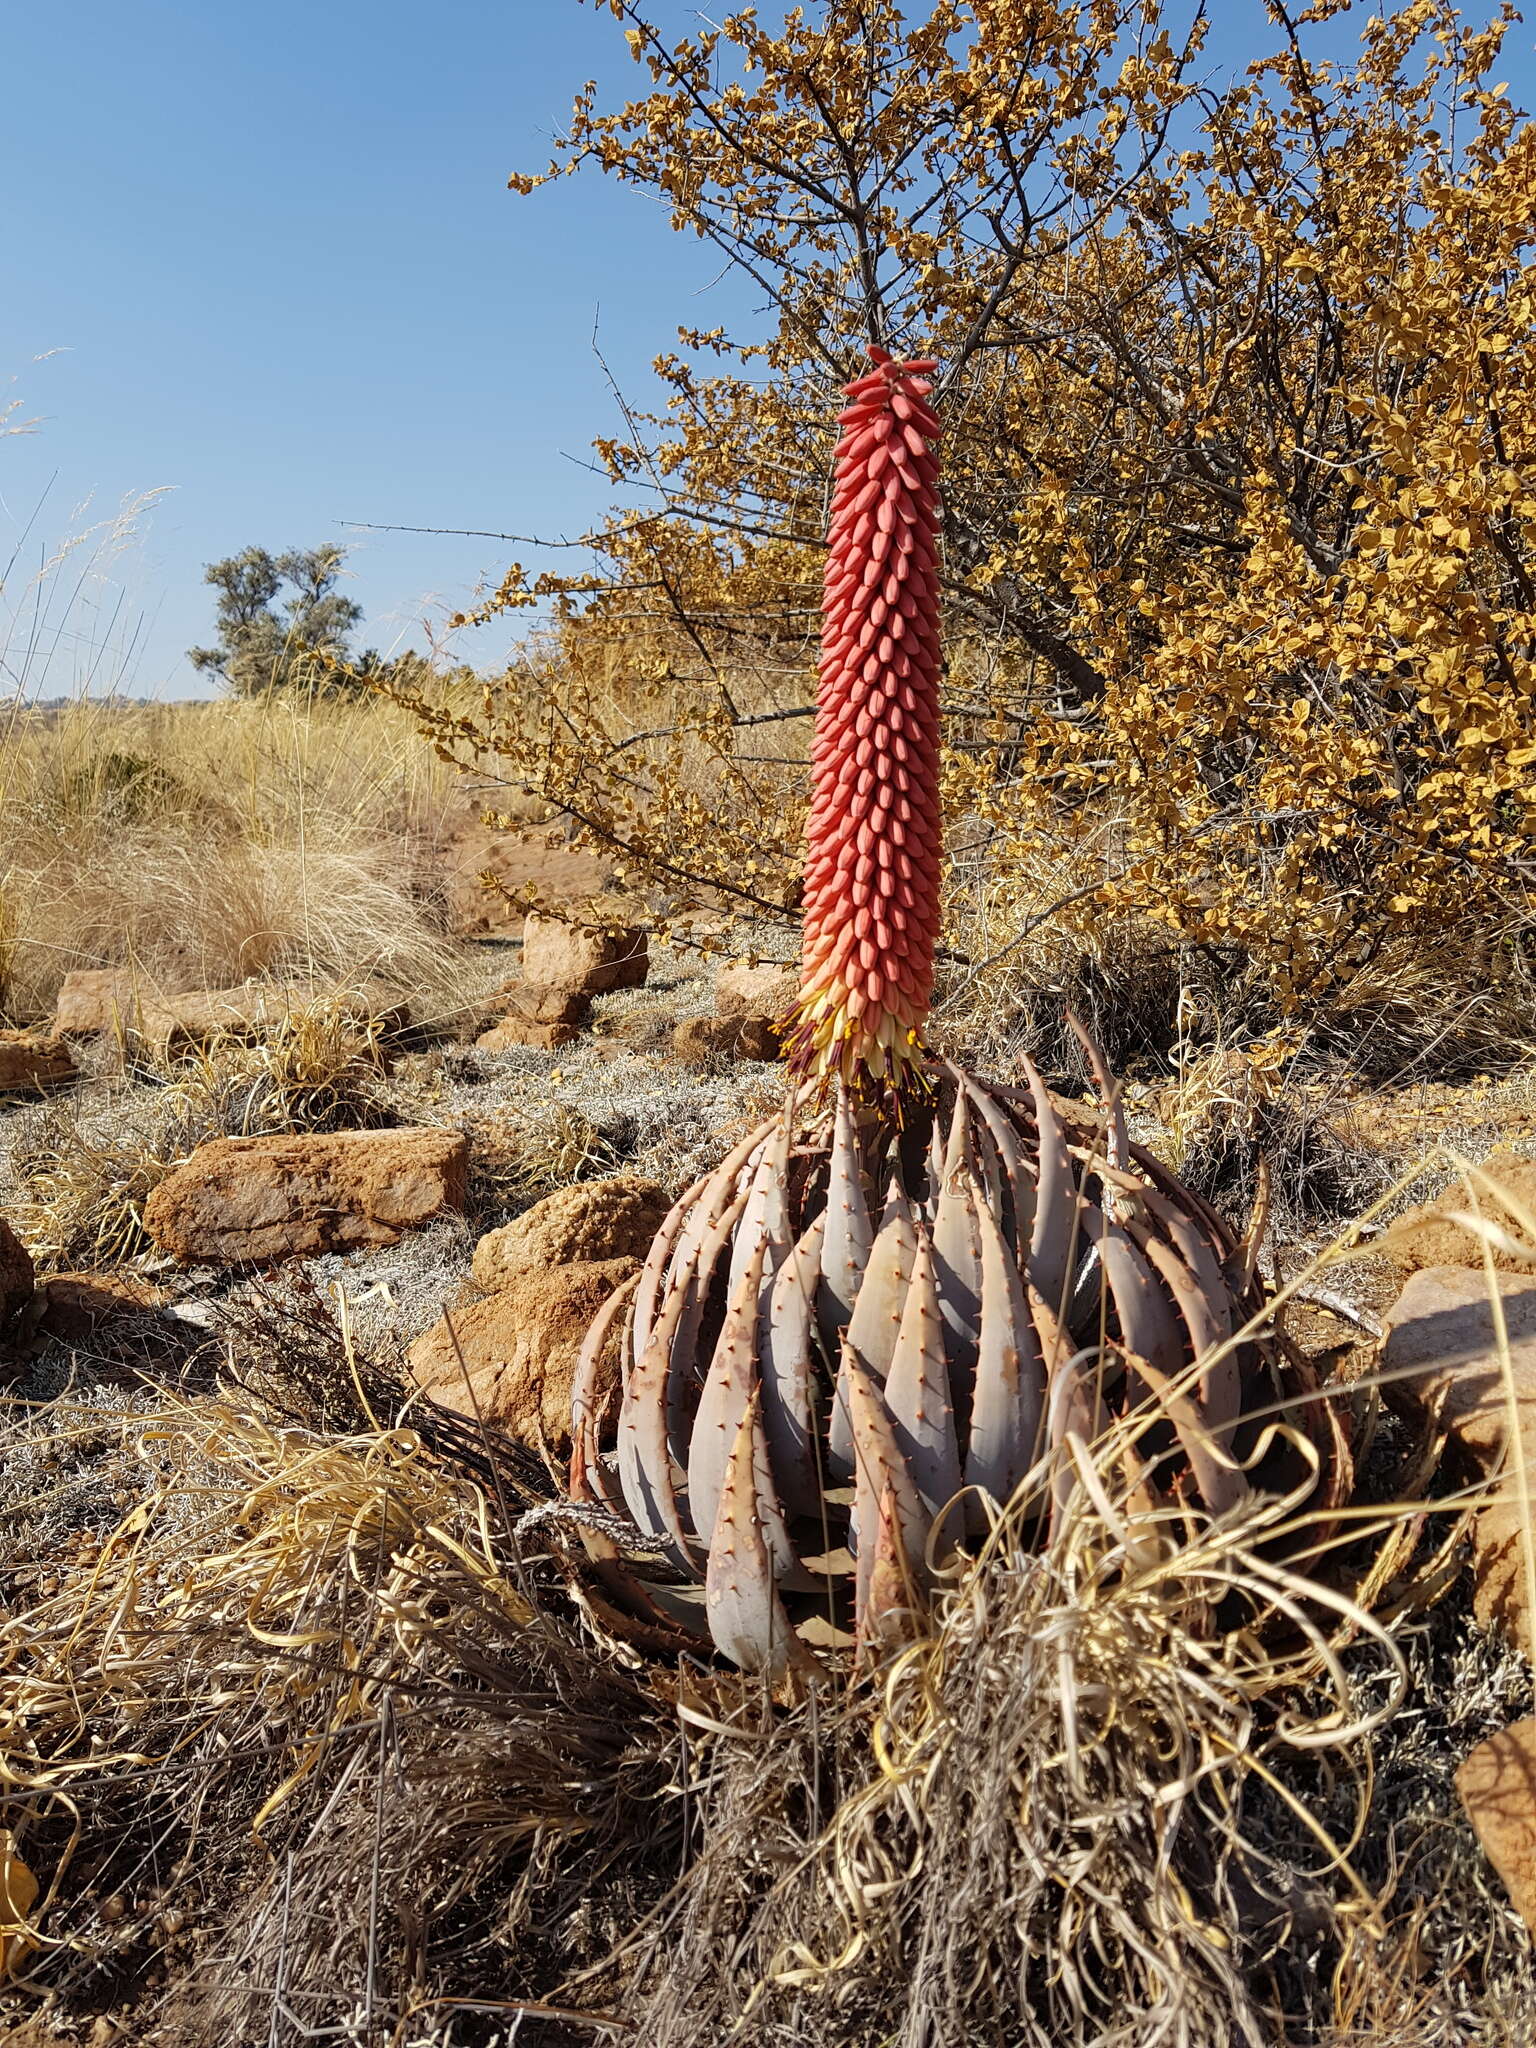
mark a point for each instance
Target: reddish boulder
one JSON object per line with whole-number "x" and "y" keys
{"x": 97, "y": 1002}
{"x": 593, "y": 1221}
{"x": 32, "y": 1065}
{"x": 1497, "y": 1784}
{"x": 561, "y": 954}
{"x": 768, "y": 991}
{"x": 239, "y": 1201}
{"x": 509, "y": 1360}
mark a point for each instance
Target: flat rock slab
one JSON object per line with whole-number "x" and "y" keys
{"x": 1497, "y": 1784}
{"x": 31, "y": 1064}
{"x": 202, "y": 1015}
{"x": 1442, "y": 1343}
{"x": 1441, "y": 1338}
{"x": 245, "y": 1201}
{"x": 94, "y": 1002}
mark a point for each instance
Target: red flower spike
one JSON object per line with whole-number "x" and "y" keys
{"x": 867, "y": 983}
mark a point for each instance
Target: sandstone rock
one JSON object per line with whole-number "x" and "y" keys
{"x": 560, "y": 954}
{"x": 201, "y": 1015}
{"x": 536, "y": 1014}
{"x": 1430, "y": 1237}
{"x": 513, "y": 1031}
{"x": 1440, "y": 1337}
{"x": 31, "y": 1064}
{"x": 1500, "y": 1589}
{"x": 15, "y": 1275}
{"x": 1440, "y": 1340}
{"x": 95, "y": 1002}
{"x": 766, "y": 992}
{"x": 242, "y": 1200}
{"x": 529, "y": 1002}
{"x": 594, "y": 1220}
{"x": 1497, "y": 1784}
{"x": 519, "y": 1349}
{"x": 701, "y": 1039}
{"x": 536, "y": 859}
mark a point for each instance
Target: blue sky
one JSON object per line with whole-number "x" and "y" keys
{"x": 265, "y": 260}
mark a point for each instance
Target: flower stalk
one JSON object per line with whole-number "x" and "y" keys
{"x": 874, "y": 838}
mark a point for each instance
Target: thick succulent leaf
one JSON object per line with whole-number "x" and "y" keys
{"x": 688, "y": 1364}
{"x": 634, "y": 1610}
{"x": 936, "y": 1152}
{"x": 1005, "y": 1437}
{"x": 917, "y": 1395}
{"x": 647, "y": 1474}
{"x": 1149, "y": 1331}
{"x": 728, "y": 1388}
{"x": 765, "y": 1217}
{"x": 789, "y": 1376}
{"x": 849, "y": 1235}
{"x": 1018, "y": 1214}
{"x": 696, "y": 1213}
{"x": 588, "y": 1480}
{"x": 1222, "y": 1484}
{"x": 658, "y": 1258}
{"x": 1075, "y": 1408}
{"x": 747, "y": 1619}
{"x": 1203, "y": 1406}
{"x": 957, "y": 1258}
{"x": 1190, "y": 1242}
{"x": 1056, "y": 1231}
{"x": 876, "y": 1319}
{"x": 1116, "y": 1145}
{"x": 1050, "y": 1332}
{"x": 892, "y": 1607}
{"x": 880, "y": 1470}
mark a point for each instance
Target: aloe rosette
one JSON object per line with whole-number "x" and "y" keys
{"x": 914, "y": 1295}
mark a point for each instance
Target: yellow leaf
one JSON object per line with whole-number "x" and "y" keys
{"x": 18, "y": 1895}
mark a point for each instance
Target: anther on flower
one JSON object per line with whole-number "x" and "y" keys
{"x": 873, "y": 841}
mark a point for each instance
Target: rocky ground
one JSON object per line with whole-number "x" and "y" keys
{"x": 461, "y": 1192}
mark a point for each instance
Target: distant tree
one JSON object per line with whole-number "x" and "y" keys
{"x": 282, "y": 623}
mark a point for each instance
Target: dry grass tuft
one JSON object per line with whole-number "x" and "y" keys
{"x": 1037, "y": 1834}
{"x": 288, "y": 1691}
{"x": 206, "y": 843}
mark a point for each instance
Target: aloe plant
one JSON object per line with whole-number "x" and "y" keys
{"x": 913, "y": 1290}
